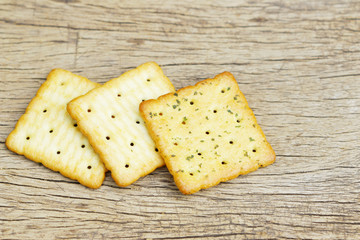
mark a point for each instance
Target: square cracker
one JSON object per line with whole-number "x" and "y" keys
{"x": 207, "y": 133}
{"x": 109, "y": 116}
{"x": 47, "y": 134}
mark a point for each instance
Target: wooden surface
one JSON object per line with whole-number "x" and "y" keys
{"x": 298, "y": 64}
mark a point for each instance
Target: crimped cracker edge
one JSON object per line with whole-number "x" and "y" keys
{"x": 154, "y": 137}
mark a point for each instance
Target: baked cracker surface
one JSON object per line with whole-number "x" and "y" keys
{"x": 47, "y": 134}
{"x": 207, "y": 133}
{"x": 109, "y": 116}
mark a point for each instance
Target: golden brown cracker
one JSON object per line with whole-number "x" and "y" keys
{"x": 207, "y": 133}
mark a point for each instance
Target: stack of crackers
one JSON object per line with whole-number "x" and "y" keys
{"x": 133, "y": 124}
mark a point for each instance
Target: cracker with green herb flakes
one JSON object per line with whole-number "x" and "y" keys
{"x": 207, "y": 133}
{"x": 109, "y": 116}
{"x": 47, "y": 134}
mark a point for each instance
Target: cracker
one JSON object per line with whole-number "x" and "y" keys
{"x": 207, "y": 133}
{"x": 109, "y": 116}
{"x": 47, "y": 134}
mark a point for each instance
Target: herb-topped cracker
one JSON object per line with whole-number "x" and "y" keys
{"x": 47, "y": 134}
{"x": 207, "y": 133}
{"x": 109, "y": 116}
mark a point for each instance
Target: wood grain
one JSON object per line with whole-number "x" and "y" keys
{"x": 298, "y": 64}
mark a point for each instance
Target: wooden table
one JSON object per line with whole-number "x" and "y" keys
{"x": 298, "y": 64}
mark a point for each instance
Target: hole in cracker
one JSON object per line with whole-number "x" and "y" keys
{"x": 82, "y": 146}
{"x": 137, "y": 122}
{"x": 132, "y": 144}
{"x": 231, "y": 142}
{"x": 107, "y": 138}
{"x": 191, "y": 174}
{"x": 75, "y": 125}
{"x": 89, "y": 110}
{"x": 58, "y": 152}
{"x": 27, "y": 138}
{"x": 215, "y": 111}
{"x": 191, "y": 103}
{"x": 254, "y": 150}
{"x": 156, "y": 150}
{"x": 119, "y": 95}
{"x": 238, "y": 120}
{"x": 222, "y": 91}
{"x": 51, "y": 131}
{"x": 45, "y": 111}
{"x": 89, "y": 167}
{"x": 183, "y": 122}
{"x": 148, "y": 80}
{"x": 199, "y": 154}
{"x": 127, "y": 165}
{"x": 62, "y": 84}
{"x": 112, "y": 116}
{"x": 175, "y": 144}
{"x": 161, "y": 114}
{"x": 223, "y": 162}
{"x": 207, "y": 132}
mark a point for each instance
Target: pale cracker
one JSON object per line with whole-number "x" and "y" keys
{"x": 109, "y": 116}
{"x": 207, "y": 133}
{"x": 47, "y": 134}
